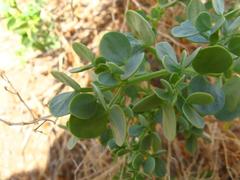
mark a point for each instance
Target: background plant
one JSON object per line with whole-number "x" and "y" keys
{"x": 36, "y": 32}
{"x": 129, "y": 114}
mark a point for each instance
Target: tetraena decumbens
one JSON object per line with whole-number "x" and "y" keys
{"x": 123, "y": 107}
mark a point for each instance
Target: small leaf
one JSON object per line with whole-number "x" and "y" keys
{"x": 191, "y": 144}
{"x": 160, "y": 167}
{"x": 169, "y": 122}
{"x": 186, "y": 29}
{"x": 149, "y": 165}
{"x": 170, "y": 65}
{"x": 83, "y": 52}
{"x": 197, "y": 39}
{"x": 165, "y": 49}
{"x": 203, "y": 22}
{"x": 90, "y": 128}
{"x": 72, "y": 142}
{"x": 192, "y": 116}
{"x": 231, "y": 107}
{"x": 195, "y": 7}
{"x": 81, "y": 69}
{"x": 118, "y": 124}
{"x": 83, "y": 106}
{"x": 62, "y": 77}
{"x": 219, "y": 23}
{"x": 218, "y": 6}
{"x": 135, "y": 130}
{"x": 234, "y": 25}
{"x": 214, "y": 59}
{"x": 137, "y": 161}
{"x": 115, "y": 47}
{"x": 201, "y": 98}
{"x": 99, "y": 95}
{"x": 190, "y": 58}
{"x": 147, "y": 103}
{"x": 140, "y": 27}
{"x": 59, "y": 105}
{"x": 132, "y": 65}
{"x": 114, "y": 68}
{"x": 234, "y": 45}
{"x": 107, "y": 79}
{"x": 201, "y": 84}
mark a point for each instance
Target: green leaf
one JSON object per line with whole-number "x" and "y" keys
{"x": 214, "y": 59}
{"x": 169, "y": 122}
{"x": 62, "y": 77}
{"x": 59, "y": 105}
{"x": 219, "y": 23}
{"x": 186, "y": 29}
{"x": 170, "y": 65}
{"x": 165, "y": 49}
{"x": 90, "y": 128}
{"x": 81, "y": 69}
{"x": 137, "y": 161}
{"x": 191, "y": 144}
{"x": 218, "y": 6}
{"x": 160, "y": 167}
{"x": 99, "y": 95}
{"x": 140, "y": 27}
{"x": 149, "y": 165}
{"x": 195, "y": 7}
{"x": 231, "y": 107}
{"x": 132, "y": 65}
{"x": 234, "y": 25}
{"x": 203, "y": 22}
{"x": 201, "y": 98}
{"x": 118, "y": 124}
{"x": 83, "y": 106}
{"x": 201, "y": 84}
{"x": 190, "y": 58}
{"x": 148, "y": 103}
{"x": 114, "y": 68}
{"x": 72, "y": 142}
{"x": 83, "y": 52}
{"x": 135, "y": 130}
{"x": 107, "y": 79}
{"x": 115, "y": 47}
{"x": 192, "y": 116}
{"x": 234, "y": 45}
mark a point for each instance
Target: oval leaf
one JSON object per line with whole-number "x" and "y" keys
{"x": 147, "y": 103}
{"x": 234, "y": 45}
{"x": 200, "y": 98}
{"x": 192, "y": 116}
{"x": 165, "y": 49}
{"x": 59, "y": 105}
{"x": 115, "y": 47}
{"x": 133, "y": 65}
{"x": 90, "y": 128}
{"x": 83, "y": 52}
{"x": 231, "y": 107}
{"x": 65, "y": 79}
{"x": 140, "y": 27}
{"x": 201, "y": 84}
{"x": 107, "y": 79}
{"x": 169, "y": 122}
{"x": 186, "y": 29}
{"x": 218, "y": 6}
{"x": 83, "y": 106}
{"x": 118, "y": 124}
{"x": 99, "y": 95}
{"x": 215, "y": 59}
{"x": 203, "y": 22}
{"x": 149, "y": 165}
{"x": 195, "y": 7}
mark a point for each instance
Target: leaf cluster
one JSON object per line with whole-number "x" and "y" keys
{"x": 123, "y": 108}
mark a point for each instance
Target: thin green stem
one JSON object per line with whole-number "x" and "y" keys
{"x": 140, "y": 78}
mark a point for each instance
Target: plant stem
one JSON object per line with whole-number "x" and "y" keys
{"x": 140, "y": 78}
